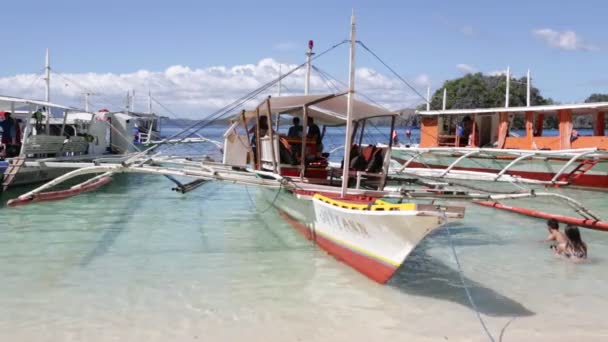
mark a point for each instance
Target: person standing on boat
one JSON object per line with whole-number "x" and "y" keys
{"x": 263, "y": 128}
{"x": 468, "y": 133}
{"x": 8, "y": 129}
{"x": 315, "y": 133}
{"x": 38, "y": 116}
{"x": 263, "y": 124}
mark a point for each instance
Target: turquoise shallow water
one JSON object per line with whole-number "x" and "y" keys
{"x": 135, "y": 261}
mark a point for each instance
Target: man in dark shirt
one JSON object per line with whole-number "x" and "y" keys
{"x": 8, "y": 128}
{"x": 295, "y": 131}
{"x": 315, "y": 133}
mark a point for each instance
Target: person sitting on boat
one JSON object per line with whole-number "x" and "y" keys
{"x": 315, "y": 133}
{"x": 574, "y": 248}
{"x": 296, "y": 130}
{"x": 555, "y": 234}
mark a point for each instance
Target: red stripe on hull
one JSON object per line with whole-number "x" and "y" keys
{"x": 370, "y": 267}
{"x": 584, "y": 180}
{"x": 299, "y": 226}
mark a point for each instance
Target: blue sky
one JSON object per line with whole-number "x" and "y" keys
{"x": 564, "y": 44}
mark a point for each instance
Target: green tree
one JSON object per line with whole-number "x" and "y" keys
{"x": 597, "y": 98}
{"x": 484, "y": 91}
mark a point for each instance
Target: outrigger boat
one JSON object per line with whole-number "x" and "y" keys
{"x": 357, "y": 225}
{"x": 47, "y": 147}
{"x": 347, "y": 211}
{"x": 492, "y": 154}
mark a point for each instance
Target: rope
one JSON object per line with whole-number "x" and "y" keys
{"x": 235, "y": 104}
{"x": 271, "y": 204}
{"x": 393, "y": 71}
{"x": 85, "y": 88}
{"x": 464, "y": 285}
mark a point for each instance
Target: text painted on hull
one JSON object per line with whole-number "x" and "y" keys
{"x": 327, "y": 219}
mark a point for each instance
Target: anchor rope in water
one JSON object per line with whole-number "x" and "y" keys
{"x": 271, "y": 204}
{"x": 464, "y": 284}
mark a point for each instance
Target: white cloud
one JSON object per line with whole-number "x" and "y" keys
{"x": 566, "y": 40}
{"x": 422, "y": 80}
{"x": 466, "y": 68}
{"x": 195, "y": 93}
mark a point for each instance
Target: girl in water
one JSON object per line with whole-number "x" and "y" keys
{"x": 574, "y": 248}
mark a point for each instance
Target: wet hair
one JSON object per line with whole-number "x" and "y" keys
{"x": 574, "y": 238}
{"x": 311, "y": 120}
{"x": 553, "y": 224}
{"x": 296, "y": 120}
{"x": 466, "y": 119}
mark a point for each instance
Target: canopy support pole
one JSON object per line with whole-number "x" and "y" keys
{"x": 304, "y": 141}
{"x": 271, "y": 134}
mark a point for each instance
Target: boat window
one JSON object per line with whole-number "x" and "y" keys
{"x": 517, "y": 125}
{"x": 549, "y": 127}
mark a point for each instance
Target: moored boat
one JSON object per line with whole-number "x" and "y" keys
{"x": 340, "y": 208}
{"x": 487, "y": 146}
{"x": 371, "y": 235}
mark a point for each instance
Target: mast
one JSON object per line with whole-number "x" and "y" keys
{"x": 133, "y": 100}
{"x": 47, "y": 93}
{"x": 507, "y": 90}
{"x": 86, "y": 102}
{"x": 47, "y": 78}
{"x": 528, "y": 89}
{"x": 128, "y": 102}
{"x": 309, "y": 54}
{"x": 279, "y": 83}
{"x": 349, "y": 110}
{"x": 445, "y": 98}
{"x": 149, "y": 102}
{"x": 428, "y": 98}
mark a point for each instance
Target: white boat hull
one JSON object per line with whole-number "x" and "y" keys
{"x": 374, "y": 243}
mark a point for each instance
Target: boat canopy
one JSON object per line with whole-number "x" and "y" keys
{"x": 575, "y": 108}
{"x": 327, "y": 109}
{"x": 8, "y": 103}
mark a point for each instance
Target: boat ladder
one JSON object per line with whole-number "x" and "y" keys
{"x": 11, "y": 172}
{"x": 580, "y": 170}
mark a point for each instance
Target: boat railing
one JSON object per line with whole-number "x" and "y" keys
{"x": 56, "y": 145}
{"x": 143, "y": 138}
{"x": 573, "y": 155}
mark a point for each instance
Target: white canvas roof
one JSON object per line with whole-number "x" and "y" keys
{"x": 327, "y": 109}
{"x": 576, "y": 108}
{"x": 7, "y": 102}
